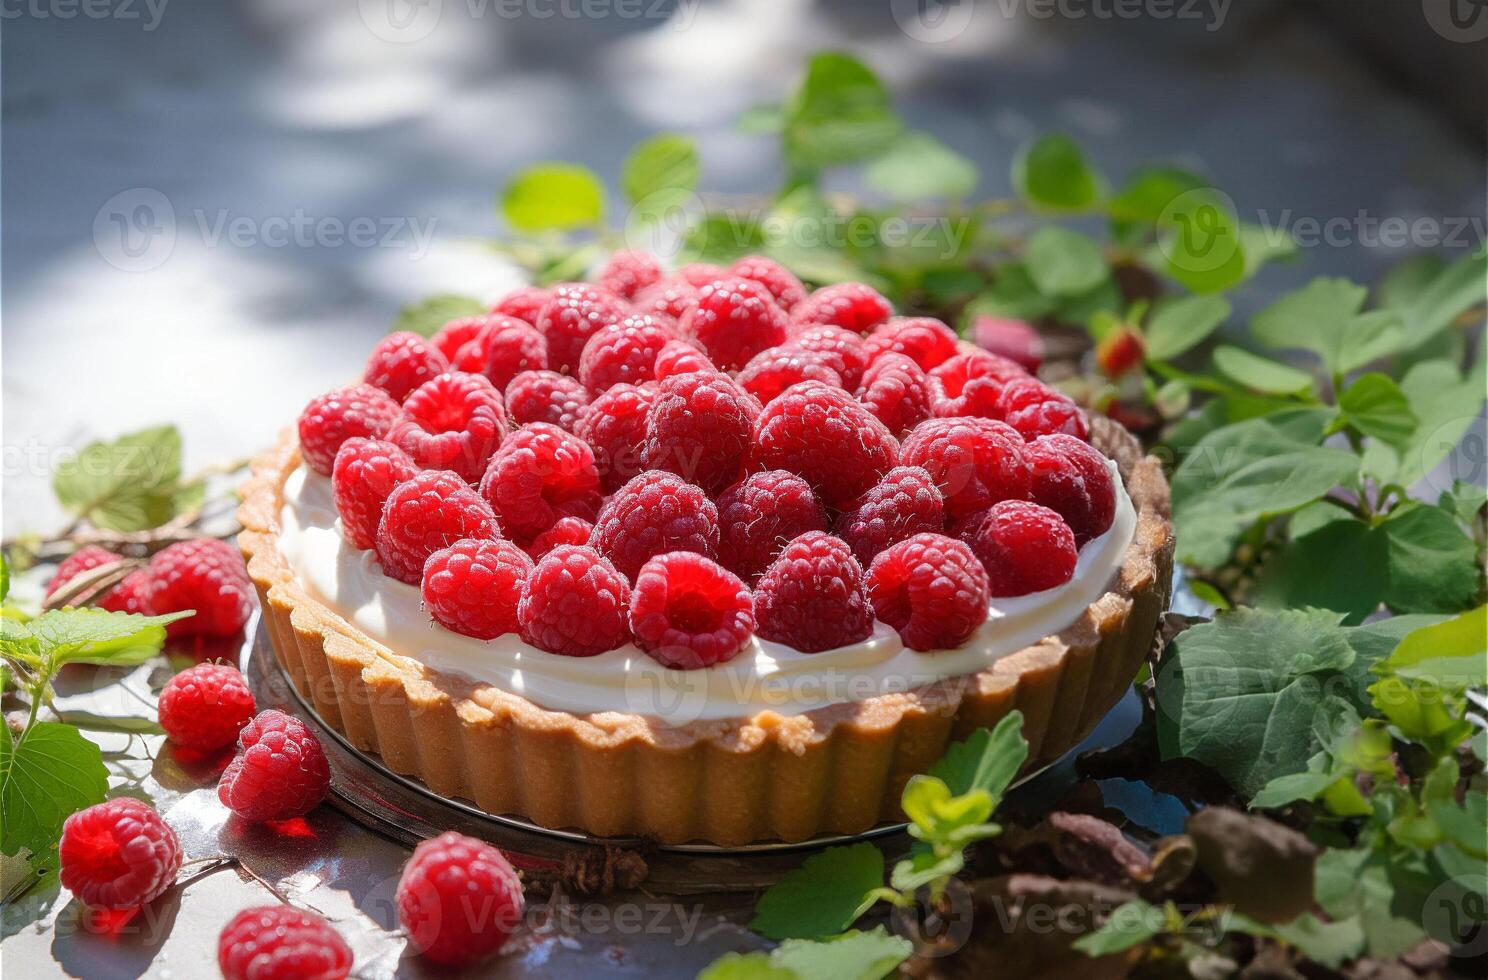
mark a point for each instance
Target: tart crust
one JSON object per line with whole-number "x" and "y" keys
{"x": 834, "y": 770}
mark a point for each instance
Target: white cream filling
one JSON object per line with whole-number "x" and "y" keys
{"x": 764, "y": 676}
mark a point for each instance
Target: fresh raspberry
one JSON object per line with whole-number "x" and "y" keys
{"x": 1024, "y": 547}
{"x": 540, "y": 475}
{"x": 841, "y": 350}
{"x": 625, "y": 352}
{"x": 459, "y": 899}
{"x": 850, "y": 305}
{"x": 672, "y": 297}
{"x": 366, "y": 471}
{"x": 85, "y": 559}
{"x": 931, "y": 589}
{"x": 280, "y": 942}
{"x": 546, "y": 396}
{"x": 575, "y": 313}
{"x": 1071, "y": 477}
{"x": 700, "y": 274}
{"x": 568, "y": 530}
{"x": 1012, "y": 339}
{"x": 203, "y": 707}
{"x": 699, "y": 427}
{"x": 897, "y": 392}
{"x": 332, "y": 418}
{"x": 1035, "y": 409}
{"x": 772, "y": 371}
{"x": 687, "y": 611}
{"x": 824, "y": 435}
{"x": 615, "y": 427}
{"x": 131, "y": 595}
{"x": 525, "y": 303}
{"x": 969, "y": 385}
{"x": 904, "y": 503}
{"x": 681, "y": 357}
{"x": 576, "y": 604}
{"x": 206, "y": 575}
{"x": 118, "y": 854}
{"x": 923, "y": 339}
{"x": 401, "y": 362}
{"x": 975, "y": 462}
{"x": 654, "y": 513}
{"x": 473, "y": 586}
{"x": 780, "y": 281}
{"x": 512, "y": 347}
{"x": 452, "y": 422}
{"x": 628, "y": 272}
{"x": 734, "y": 320}
{"x": 280, "y": 770}
{"x": 760, "y": 515}
{"x": 455, "y": 334}
{"x": 431, "y": 510}
{"x": 813, "y": 597}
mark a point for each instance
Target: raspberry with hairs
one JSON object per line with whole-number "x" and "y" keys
{"x": 976, "y": 462}
{"x": 931, "y": 589}
{"x": 681, "y": 357}
{"x": 568, "y": 530}
{"x": 131, "y": 595}
{"x": 473, "y": 586}
{"x": 540, "y": 475}
{"x": 332, "y": 418}
{"x": 366, "y": 471}
{"x": 841, "y": 350}
{"x": 670, "y": 297}
{"x": 401, "y": 362}
{"x": 628, "y": 271}
{"x": 281, "y": 942}
{"x": 525, "y": 303}
{"x": 454, "y": 335}
{"x": 700, "y": 274}
{"x": 576, "y": 604}
{"x": 813, "y": 596}
{"x": 760, "y": 515}
{"x": 432, "y": 510}
{"x": 546, "y": 396}
{"x": 204, "y": 574}
{"x": 511, "y": 346}
{"x": 851, "y": 305}
{"x": 897, "y": 392}
{"x": 923, "y": 339}
{"x": 615, "y": 429}
{"x": 1035, "y": 409}
{"x": 904, "y": 503}
{"x": 280, "y": 770}
{"x": 970, "y": 384}
{"x": 459, "y": 899}
{"x": 625, "y": 353}
{"x": 85, "y": 559}
{"x": 783, "y": 285}
{"x": 699, "y": 428}
{"x": 687, "y": 611}
{"x": 824, "y": 435}
{"x": 452, "y": 422}
{"x": 654, "y": 513}
{"x": 1071, "y": 478}
{"x": 118, "y": 854}
{"x": 734, "y": 320}
{"x": 772, "y": 371}
{"x": 204, "y": 707}
{"x": 575, "y": 313}
{"x": 1024, "y": 547}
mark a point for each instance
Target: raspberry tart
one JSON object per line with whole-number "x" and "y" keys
{"x": 701, "y": 556}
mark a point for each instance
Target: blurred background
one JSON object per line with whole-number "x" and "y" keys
{"x": 211, "y": 209}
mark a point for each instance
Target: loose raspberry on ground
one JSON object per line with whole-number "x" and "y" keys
{"x": 734, "y": 320}
{"x": 452, "y": 422}
{"x": 628, "y": 271}
{"x": 780, "y": 281}
{"x": 546, "y": 396}
{"x": 525, "y": 303}
{"x": 969, "y": 384}
{"x": 975, "y": 462}
{"x": 540, "y": 475}
{"x": 1035, "y": 409}
{"x": 203, "y": 707}
{"x": 923, "y": 339}
{"x": 401, "y": 362}
{"x": 575, "y": 313}
{"x": 904, "y": 503}
{"x": 1024, "y": 547}
{"x": 118, "y": 854}
{"x": 772, "y": 371}
{"x": 459, "y": 899}
{"x": 824, "y": 435}
{"x": 625, "y": 352}
{"x": 687, "y": 611}
{"x": 366, "y": 471}
{"x": 473, "y": 586}
{"x": 850, "y": 305}
{"x": 931, "y": 589}
{"x": 280, "y": 942}
{"x": 897, "y": 392}
{"x": 615, "y": 428}
{"x": 760, "y": 515}
{"x": 455, "y": 334}
{"x": 280, "y": 770}
{"x": 700, "y": 274}
{"x": 576, "y": 604}
{"x": 841, "y": 350}
{"x": 1012, "y": 339}
{"x": 85, "y": 559}
{"x": 699, "y": 427}
{"x": 813, "y": 597}
{"x": 332, "y": 418}
{"x": 206, "y": 575}
{"x": 432, "y": 510}
{"x": 512, "y": 347}
{"x": 672, "y": 297}
{"x": 569, "y": 530}
{"x": 654, "y": 513}
{"x": 681, "y": 357}
{"x": 1070, "y": 477}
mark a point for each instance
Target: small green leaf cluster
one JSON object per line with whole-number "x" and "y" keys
{"x": 132, "y": 483}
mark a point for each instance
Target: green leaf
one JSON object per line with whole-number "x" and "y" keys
{"x": 745, "y": 966}
{"x": 666, "y": 162}
{"x": 1201, "y": 240}
{"x": 943, "y": 820}
{"x": 766, "y": 119}
{"x": 1364, "y": 884}
{"x": 50, "y": 773}
{"x": 1433, "y": 564}
{"x": 4, "y": 578}
{"x": 553, "y": 197}
{"x": 1324, "y": 317}
{"x": 427, "y": 316}
{"x": 1149, "y": 192}
{"x": 1433, "y": 305}
{"x": 1465, "y": 824}
{"x": 1260, "y": 373}
{"x": 986, "y": 760}
{"x": 1292, "y": 787}
{"x": 1375, "y": 405}
{"x": 1063, "y": 262}
{"x": 125, "y": 485}
{"x": 919, "y": 167}
{"x": 1129, "y": 925}
{"x": 1451, "y": 653}
{"x": 1053, "y": 173}
{"x": 850, "y": 956}
{"x": 840, "y": 114}
{"x": 1466, "y": 500}
{"x": 1446, "y": 403}
{"x": 94, "y": 636}
{"x": 89, "y": 721}
{"x": 821, "y": 897}
{"x": 1329, "y": 943}
{"x": 1180, "y": 325}
{"x": 1341, "y": 566}
{"x": 923, "y": 866}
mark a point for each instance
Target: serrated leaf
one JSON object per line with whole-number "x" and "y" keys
{"x": 95, "y": 636}
{"x": 1260, "y": 373}
{"x": 986, "y": 760}
{"x": 1375, "y": 405}
{"x": 426, "y": 316}
{"x": 1128, "y": 925}
{"x": 1433, "y": 302}
{"x": 49, "y": 774}
{"x": 1466, "y": 500}
{"x": 128, "y": 484}
{"x": 840, "y": 114}
{"x": 1453, "y": 653}
{"x": 1342, "y": 566}
{"x": 1363, "y": 884}
{"x": 553, "y": 197}
{"x": 1180, "y": 325}
{"x": 919, "y": 167}
{"x": 851, "y": 956}
{"x": 1465, "y": 824}
{"x": 1052, "y": 172}
{"x": 923, "y": 866}
{"x": 821, "y": 897}
{"x": 939, "y": 817}
{"x": 1329, "y": 943}
{"x": 745, "y": 966}
{"x": 666, "y": 162}
{"x": 1433, "y": 564}
{"x": 1325, "y": 317}
{"x": 1446, "y": 404}
{"x": 1063, "y": 262}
